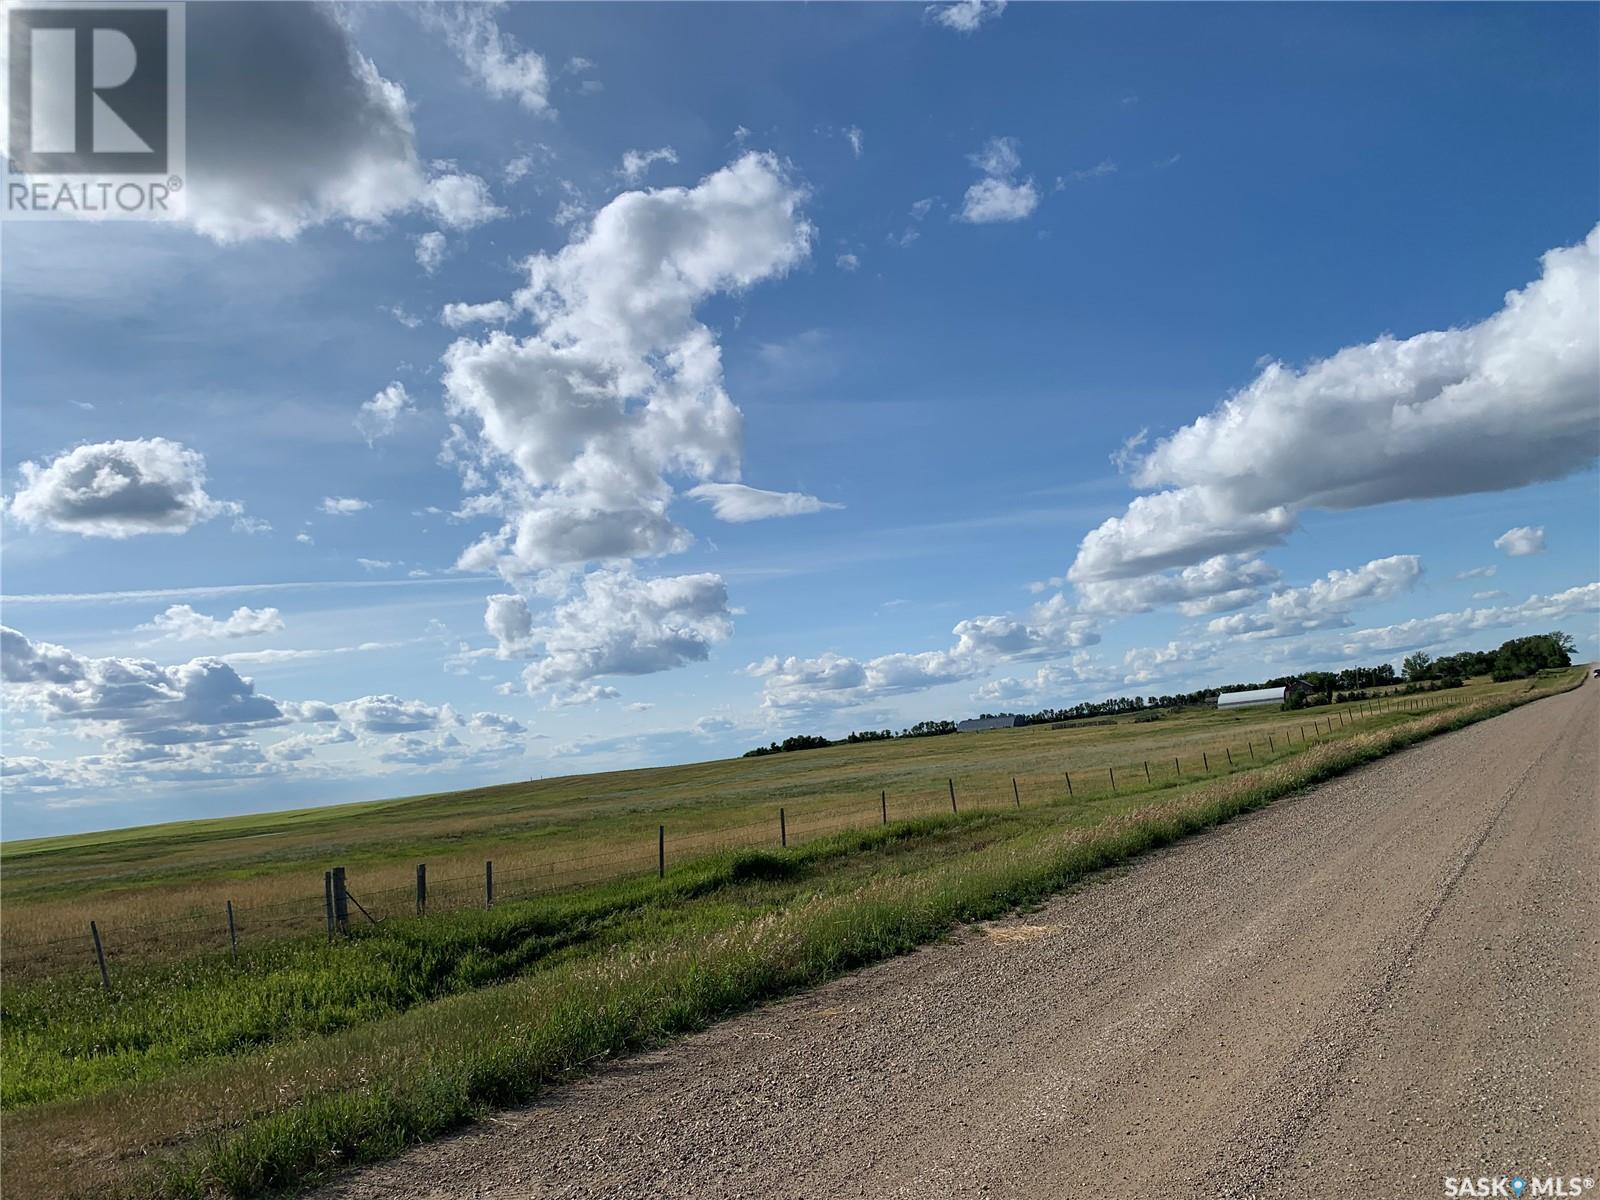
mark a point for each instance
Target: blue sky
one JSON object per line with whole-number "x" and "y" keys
{"x": 1020, "y": 356}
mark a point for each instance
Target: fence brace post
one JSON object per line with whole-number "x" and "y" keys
{"x": 341, "y": 902}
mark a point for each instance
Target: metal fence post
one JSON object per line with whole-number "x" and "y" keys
{"x": 488, "y": 884}
{"x": 422, "y": 888}
{"x": 661, "y": 852}
{"x": 783, "y": 829}
{"x": 233, "y": 934}
{"x": 883, "y": 799}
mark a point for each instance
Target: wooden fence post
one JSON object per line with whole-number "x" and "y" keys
{"x": 1205, "y": 761}
{"x": 1228, "y": 750}
{"x": 783, "y": 830}
{"x": 1147, "y": 770}
{"x": 100, "y": 956}
{"x": 1015, "y": 795}
{"x": 1069, "y": 782}
{"x": 1271, "y": 745}
{"x": 341, "y": 902}
{"x": 1176, "y": 768}
{"x": 488, "y": 883}
{"x": 327, "y": 900}
{"x": 422, "y": 889}
{"x": 233, "y": 934}
{"x": 883, "y": 799}
{"x": 1112, "y": 771}
{"x": 952, "y": 784}
{"x": 661, "y": 852}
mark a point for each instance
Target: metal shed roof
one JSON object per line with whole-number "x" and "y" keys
{"x": 1258, "y": 696}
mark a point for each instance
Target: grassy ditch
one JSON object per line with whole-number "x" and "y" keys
{"x": 493, "y": 1022}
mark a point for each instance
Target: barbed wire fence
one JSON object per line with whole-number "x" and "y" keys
{"x": 342, "y": 905}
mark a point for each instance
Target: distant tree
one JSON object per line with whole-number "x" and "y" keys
{"x": 1525, "y": 656}
{"x": 1417, "y": 667}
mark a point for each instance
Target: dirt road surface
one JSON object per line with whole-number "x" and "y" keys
{"x": 1357, "y": 992}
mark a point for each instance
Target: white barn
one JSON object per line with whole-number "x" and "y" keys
{"x": 978, "y": 724}
{"x": 1274, "y": 695}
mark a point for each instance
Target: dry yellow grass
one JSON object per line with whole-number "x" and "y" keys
{"x": 161, "y": 890}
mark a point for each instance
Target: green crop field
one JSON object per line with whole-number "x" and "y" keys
{"x": 198, "y": 1074}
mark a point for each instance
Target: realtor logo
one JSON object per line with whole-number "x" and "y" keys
{"x": 96, "y": 110}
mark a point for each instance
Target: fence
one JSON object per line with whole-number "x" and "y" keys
{"x": 341, "y": 904}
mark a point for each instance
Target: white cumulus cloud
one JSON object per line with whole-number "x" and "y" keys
{"x": 999, "y": 195}
{"x": 1496, "y": 405}
{"x": 380, "y": 416}
{"x": 459, "y": 315}
{"x": 1219, "y": 584}
{"x": 580, "y": 423}
{"x": 117, "y": 490}
{"x": 1324, "y": 603}
{"x": 612, "y": 623}
{"x": 1521, "y": 541}
{"x": 184, "y": 623}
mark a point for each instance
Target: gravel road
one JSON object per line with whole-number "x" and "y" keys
{"x": 1357, "y": 992}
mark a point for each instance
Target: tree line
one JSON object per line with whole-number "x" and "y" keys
{"x": 1515, "y": 659}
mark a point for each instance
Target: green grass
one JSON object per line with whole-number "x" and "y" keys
{"x": 200, "y": 1078}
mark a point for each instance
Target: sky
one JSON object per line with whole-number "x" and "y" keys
{"x": 539, "y": 389}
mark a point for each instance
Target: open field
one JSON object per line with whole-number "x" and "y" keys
{"x": 161, "y": 890}
{"x": 1389, "y": 979}
{"x": 200, "y": 1077}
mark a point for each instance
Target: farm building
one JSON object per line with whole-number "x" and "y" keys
{"x": 978, "y": 723}
{"x": 1258, "y": 696}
